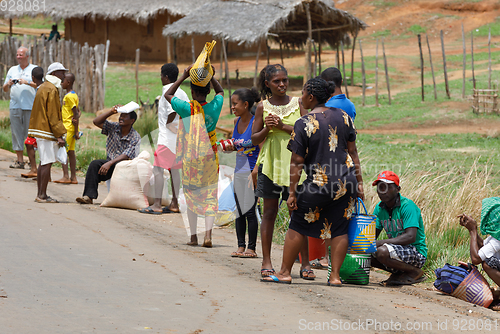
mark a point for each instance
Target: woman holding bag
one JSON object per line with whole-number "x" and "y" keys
{"x": 323, "y": 142}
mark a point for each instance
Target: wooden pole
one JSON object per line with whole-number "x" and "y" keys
{"x": 227, "y": 73}
{"x": 281, "y": 53}
{"x": 315, "y": 66}
{"x": 386, "y": 73}
{"x": 337, "y": 58}
{"x": 489, "y": 59}
{"x": 175, "y": 51}
{"x": 193, "y": 57}
{"x": 137, "y": 55}
{"x": 464, "y": 59}
{"x": 221, "y": 60}
{"x": 352, "y": 58}
{"x": 319, "y": 52}
{"x": 432, "y": 67}
{"x": 421, "y": 65}
{"x": 444, "y": 66}
{"x": 267, "y": 52}
{"x": 10, "y": 27}
{"x": 169, "y": 53}
{"x": 376, "y": 75}
{"x": 256, "y": 65}
{"x": 343, "y": 69}
{"x": 308, "y": 44}
{"x": 472, "y": 58}
{"x": 362, "y": 71}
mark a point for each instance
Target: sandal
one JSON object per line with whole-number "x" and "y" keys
{"x": 274, "y": 279}
{"x": 307, "y": 274}
{"x": 236, "y": 254}
{"x": 150, "y": 211}
{"x": 316, "y": 264}
{"x": 267, "y": 272}
{"x": 248, "y": 255}
{"x": 207, "y": 243}
{"x": 46, "y": 200}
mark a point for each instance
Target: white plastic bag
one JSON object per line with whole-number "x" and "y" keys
{"x": 62, "y": 156}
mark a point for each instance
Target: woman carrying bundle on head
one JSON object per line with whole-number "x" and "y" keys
{"x": 197, "y": 150}
{"x": 323, "y": 143}
{"x": 274, "y": 120}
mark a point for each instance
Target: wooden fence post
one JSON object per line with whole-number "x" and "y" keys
{"x": 464, "y": 59}
{"x": 343, "y": 69}
{"x": 386, "y": 72}
{"x": 352, "y": 58}
{"x": 362, "y": 71}
{"x": 256, "y": 65}
{"x": 472, "y": 58}
{"x": 444, "y": 66}
{"x": 432, "y": 66}
{"x": 376, "y": 75}
{"x": 227, "y": 73}
{"x": 137, "y": 55}
{"x": 489, "y": 59}
{"x": 421, "y": 65}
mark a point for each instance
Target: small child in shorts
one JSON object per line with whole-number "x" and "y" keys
{"x": 71, "y": 115}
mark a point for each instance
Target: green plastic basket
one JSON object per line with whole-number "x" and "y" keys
{"x": 355, "y": 268}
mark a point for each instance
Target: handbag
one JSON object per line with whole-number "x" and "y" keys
{"x": 361, "y": 231}
{"x": 449, "y": 277}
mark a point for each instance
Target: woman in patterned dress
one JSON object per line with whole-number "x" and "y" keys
{"x": 323, "y": 143}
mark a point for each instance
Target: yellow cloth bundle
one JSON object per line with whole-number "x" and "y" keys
{"x": 201, "y": 73}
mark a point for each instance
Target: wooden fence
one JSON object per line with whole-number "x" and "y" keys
{"x": 86, "y": 63}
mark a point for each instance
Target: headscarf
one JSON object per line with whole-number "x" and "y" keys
{"x": 490, "y": 217}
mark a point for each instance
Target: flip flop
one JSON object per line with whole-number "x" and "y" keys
{"x": 316, "y": 264}
{"x": 274, "y": 279}
{"x": 28, "y": 175}
{"x": 167, "y": 210}
{"x": 149, "y": 211}
{"x": 267, "y": 272}
{"x": 248, "y": 255}
{"x": 336, "y": 285}
{"x": 308, "y": 272}
{"x": 46, "y": 200}
{"x": 236, "y": 254}
{"x": 63, "y": 181}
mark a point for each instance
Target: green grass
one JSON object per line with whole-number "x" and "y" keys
{"x": 417, "y": 29}
{"x": 381, "y": 33}
{"x": 484, "y": 30}
{"x": 38, "y": 22}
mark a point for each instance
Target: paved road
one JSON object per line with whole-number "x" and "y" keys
{"x": 68, "y": 268}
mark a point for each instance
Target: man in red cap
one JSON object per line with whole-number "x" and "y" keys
{"x": 405, "y": 252}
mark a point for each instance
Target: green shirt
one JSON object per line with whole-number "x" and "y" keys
{"x": 405, "y": 214}
{"x": 212, "y": 111}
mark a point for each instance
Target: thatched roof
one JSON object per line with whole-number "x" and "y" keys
{"x": 139, "y": 11}
{"x": 250, "y": 21}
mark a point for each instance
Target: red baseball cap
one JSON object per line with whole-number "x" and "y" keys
{"x": 387, "y": 177}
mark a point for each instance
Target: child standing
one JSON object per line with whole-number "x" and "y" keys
{"x": 242, "y": 101}
{"x": 71, "y": 115}
{"x": 273, "y": 125}
{"x": 30, "y": 142}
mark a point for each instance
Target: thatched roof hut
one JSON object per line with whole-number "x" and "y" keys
{"x": 250, "y": 21}
{"x": 138, "y": 11}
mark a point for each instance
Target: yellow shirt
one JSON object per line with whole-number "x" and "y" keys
{"x": 70, "y": 100}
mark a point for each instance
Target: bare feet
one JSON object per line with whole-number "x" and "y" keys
{"x": 64, "y": 180}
